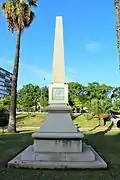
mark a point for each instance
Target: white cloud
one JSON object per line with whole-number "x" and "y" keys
{"x": 92, "y": 46}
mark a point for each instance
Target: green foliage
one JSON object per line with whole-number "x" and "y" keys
{"x": 5, "y": 103}
{"x": 28, "y": 96}
{"x": 44, "y": 102}
{"x": 105, "y": 105}
{"x": 44, "y": 97}
{"x": 95, "y": 97}
{"x": 2, "y": 107}
{"x": 18, "y": 13}
{"x": 76, "y": 94}
{"x": 77, "y": 102}
{"x": 31, "y": 96}
{"x": 99, "y": 106}
{"x": 93, "y": 106}
{"x": 4, "y": 117}
{"x": 97, "y": 91}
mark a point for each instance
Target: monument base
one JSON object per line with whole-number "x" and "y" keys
{"x": 88, "y": 159}
{"x": 58, "y": 145}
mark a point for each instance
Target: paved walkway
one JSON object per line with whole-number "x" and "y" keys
{"x": 29, "y": 128}
{"x": 81, "y": 129}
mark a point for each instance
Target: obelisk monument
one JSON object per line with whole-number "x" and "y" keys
{"x": 58, "y": 144}
{"x": 58, "y": 71}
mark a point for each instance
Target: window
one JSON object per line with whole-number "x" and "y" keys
{"x": 1, "y": 91}
{"x": 8, "y": 78}
{"x": 2, "y": 87}
{"x": 2, "y": 71}
{"x": 1, "y": 83}
{"x": 2, "y": 79}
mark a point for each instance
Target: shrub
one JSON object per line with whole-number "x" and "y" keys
{"x": 89, "y": 116}
{"x": 4, "y": 117}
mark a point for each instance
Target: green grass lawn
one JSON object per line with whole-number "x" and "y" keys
{"x": 35, "y": 120}
{"x": 31, "y": 120}
{"x": 107, "y": 143}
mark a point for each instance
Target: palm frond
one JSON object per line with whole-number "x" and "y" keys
{"x": 18, "y": 13}
{"x": 32, "y": 3}
{"x": 32, "y": 16}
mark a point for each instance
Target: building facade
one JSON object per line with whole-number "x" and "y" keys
{"x": 5, "y": 82}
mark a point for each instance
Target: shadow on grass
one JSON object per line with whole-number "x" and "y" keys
{"x": 94, "y": 128}
{"x": 73, "y": 116}
{"x": 12, "y": 144}
{"x": 19, "y": 118}
{"x": 25, "y": 131}
{"x": 107, "y": 130}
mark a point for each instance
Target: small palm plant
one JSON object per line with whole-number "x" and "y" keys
{"x": 19, "y": 15}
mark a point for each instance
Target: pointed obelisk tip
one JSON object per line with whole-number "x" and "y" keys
{"x": 58, "y": 72}
{"x": 58, "y": 17}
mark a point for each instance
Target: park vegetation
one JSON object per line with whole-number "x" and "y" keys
{"x": 97, "y": 100}
{"x": 19, "y": 16}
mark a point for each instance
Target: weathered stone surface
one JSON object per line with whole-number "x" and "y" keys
{"x": 29, "y": 159}
{"x": 57, "y": 145}
{"x": 58, "y": 122}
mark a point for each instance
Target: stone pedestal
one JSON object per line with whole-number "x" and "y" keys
{"x": 58, "y": 145}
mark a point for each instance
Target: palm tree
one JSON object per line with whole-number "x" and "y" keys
{"x": 117, "y": 9}
{"x": 19, "y": 15}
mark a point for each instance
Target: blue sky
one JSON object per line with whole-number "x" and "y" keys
{"x": 89, "y": 42}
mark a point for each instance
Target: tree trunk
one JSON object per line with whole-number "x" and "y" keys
{"x": 12, "y": 117}
{"x": 101, "y": 122}
{"x": 116, "y": 4}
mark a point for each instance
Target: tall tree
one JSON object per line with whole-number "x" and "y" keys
{"x": 19, "y": 15}
{"x": 98, "y": 91}
{"x": 115, "y": 96}
{"x": 29, "y": 96}
{"x": 98, "y": 98}
{"x": 117, "y": 10}
{"x": 76, "y": 94}
{"x": 44, "y": 97}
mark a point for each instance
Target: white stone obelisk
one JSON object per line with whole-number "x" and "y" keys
{"x": 58, "y": 71}
{"x": 58, "y": 90}
{"x": 58, "y": 144}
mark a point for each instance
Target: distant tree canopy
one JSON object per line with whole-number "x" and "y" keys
{"x": 96, "y": 97}
{"x": 31, "y": 96}
{"x": 28, "y": 96}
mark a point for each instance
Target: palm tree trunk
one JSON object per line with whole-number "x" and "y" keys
{"x": 12, "y": 117}
{"x": 117, "y": 10}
